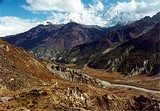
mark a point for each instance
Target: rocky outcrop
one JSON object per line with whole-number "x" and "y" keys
{"x": 76, "y": 76}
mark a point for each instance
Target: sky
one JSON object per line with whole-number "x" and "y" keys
{"x": 17, "y": 16}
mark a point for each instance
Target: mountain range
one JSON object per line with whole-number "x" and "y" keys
{"x": 82, "y": 54}
{"x": 83, "y": 44}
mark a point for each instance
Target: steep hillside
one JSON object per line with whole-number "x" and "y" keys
{"x": 45, "y": 41}
{"x": 18, "y": 69}
{"x": 139, "y": 55}
{"x": 82, "y": 53}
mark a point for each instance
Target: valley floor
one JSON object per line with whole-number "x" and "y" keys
{"x": 141, "y": 81}
{"x": 118, "y": 84}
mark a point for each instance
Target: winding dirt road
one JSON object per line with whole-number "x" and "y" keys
{"x": 137, "y": 88}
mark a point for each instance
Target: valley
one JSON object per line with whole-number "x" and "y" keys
{"x": 68, "y": 88}
{"x": 103, "y": 78}
{"x": 76, "y": 67}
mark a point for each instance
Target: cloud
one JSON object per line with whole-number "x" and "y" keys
{"x": 90, "y": 15}
{"x": 64, "y": 11}
{"x": 74, "y": 6}
{"x": 131, "y": 11}
{"x": 99, "y": 14}
{"x": 96, "y": 12}
{"x": 12, "y": 25}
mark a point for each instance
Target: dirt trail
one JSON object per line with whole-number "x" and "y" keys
{"x": 137, "y": 88}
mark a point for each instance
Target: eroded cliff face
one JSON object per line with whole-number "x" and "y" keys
{"x": 138, "y": 64}
{"x": 77, "y": 76}
{"x": 130, "y": 64}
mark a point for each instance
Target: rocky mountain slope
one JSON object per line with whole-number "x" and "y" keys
{"x": 81, "y": 54}
{"x": 18, "y": 69}
{"x": 139, "y": 55}
{"x": 45, "y": 41}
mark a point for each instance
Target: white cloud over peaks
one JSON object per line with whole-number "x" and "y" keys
{"x": 55, "y": 5}
{"x": 99, "y": 14}
{"x": 13, "y": 25}
{"x": 131, "y": 11}
{"x": 96, "y": 13}
{"x": 91, "y": 15}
